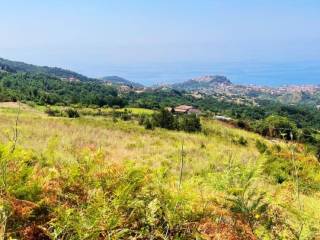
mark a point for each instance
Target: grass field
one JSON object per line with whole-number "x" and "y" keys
{"x": 94, "y": 178}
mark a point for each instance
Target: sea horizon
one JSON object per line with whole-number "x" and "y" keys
{"x": 245, "y": 73}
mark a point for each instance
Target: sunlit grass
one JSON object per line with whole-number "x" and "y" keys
{"x": 213, "y": 159}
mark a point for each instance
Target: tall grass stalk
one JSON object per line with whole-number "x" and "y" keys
{"x": 297, "y": 187}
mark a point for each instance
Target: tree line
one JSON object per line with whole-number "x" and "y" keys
{"x": 48, "y": 90}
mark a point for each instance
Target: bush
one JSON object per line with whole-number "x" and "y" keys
{"x": 190, "y": 123}
{"x": 241, "y": 141}
{"x": 278, "y": 127}
{"x": 164, "y": 119}
{"x": 308, "y": 136}
{"x": 72, "y": 113}
{"x": 242, "y": 124}
{"x": 142, "y": 118}
{"x": 167, "y": 120}
{"x": 126, "y": 115}
{"x": 53, "y": 113}
{"x": 282, "y": 170}
{"x": 261, "y": 146}
{"x": 148, "y": 124}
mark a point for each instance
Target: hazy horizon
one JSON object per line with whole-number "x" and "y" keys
{"x": 251, "y": 42}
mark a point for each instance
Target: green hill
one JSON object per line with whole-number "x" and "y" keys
{"x": 17, "y": 67}
{"x": 121, "y": 81}
{"x": 45, "y": 89}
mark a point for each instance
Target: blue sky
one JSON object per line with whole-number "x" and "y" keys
{"x": 98, "y": 37}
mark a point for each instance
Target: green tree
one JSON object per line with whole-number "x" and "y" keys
{"x": 164, "y": 119}
{"x": 190, "y": 123}
{"x": 277, "y": 126}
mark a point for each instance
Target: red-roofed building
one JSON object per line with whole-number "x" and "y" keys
{"x": 185, "y": 109}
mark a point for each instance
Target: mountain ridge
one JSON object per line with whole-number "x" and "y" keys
{"x": 19, "y": 66}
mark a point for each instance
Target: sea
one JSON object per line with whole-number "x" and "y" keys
{"x": 257, "y": 73}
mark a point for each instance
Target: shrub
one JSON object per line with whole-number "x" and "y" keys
{"x": 242, "y": 124}
{"x": 126, "y": 115}
{"x": 308, "y": 136}
{"x": 167, "y": 120}
{"x": 241, "y": 141}
{"x": 53, "y": 113}
{"x": 164, "y": 119}
{"x": 148, "y": 124}
{"x": 261, "y": 146}
{"x": 278, "y": 127}
{"x": 282, "y": 170}
{"x": 190, "y": 123}
{"x": 72, "y": 113}
{"x": 142, "y": 118}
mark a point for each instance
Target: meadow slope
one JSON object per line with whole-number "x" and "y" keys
{"x": 96, "y": 178}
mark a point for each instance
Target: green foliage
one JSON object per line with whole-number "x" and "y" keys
{"x": 126, "y": 115}
{"x": 20, "y": 183}
{"x": 301, "y": 119}
{"x": 167, "y": 120}
{"x": 53, "y": 112}
{"x": 44, "y": 89}
{"x": 242, "y": 141}
{"x": 15, "y": 67}
{"x": 250, "y": 203}
{"x": 190, "y": 123}
{"x": 277, "y": 126}
{"x": 148, "y": 124}
{"x": 283, "y": 170}
{"x": 261, "y": 146}
{"x": 130, "y": 204}
{"x": 72, "y": 113}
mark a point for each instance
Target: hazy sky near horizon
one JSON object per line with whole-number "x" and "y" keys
{"x": 92, "y": 36}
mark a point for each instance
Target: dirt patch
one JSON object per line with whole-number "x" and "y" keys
{"x": 34, "y": 232}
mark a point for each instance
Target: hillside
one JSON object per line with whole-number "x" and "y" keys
{"x": 223, "y": 88}
{"x": 94, "y": 177}
{"x": 202, "y": 83}
{"x": 17, "y": 67}
{"x": 121, "y": 81}
{"x": 47, "y": 89}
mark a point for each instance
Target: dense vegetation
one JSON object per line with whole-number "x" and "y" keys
{"x": 20, "y": 67}
{"x": 43, "y": 89}
{"x": 170, "y": 121}
{"x": 300, "y": 120}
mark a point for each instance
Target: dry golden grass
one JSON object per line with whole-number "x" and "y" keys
{"x": 123, "y": 141}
